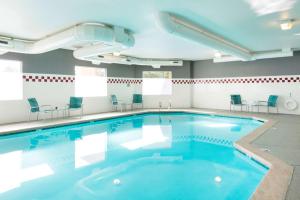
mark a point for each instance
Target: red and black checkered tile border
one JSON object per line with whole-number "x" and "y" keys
{"x": 248, "y": 80}
{"x": 140, "y": 81}
{"x": 50, "y": 79}
{"x": 71, "y": 79}
{"x": 182, "y": 81}
{"x": 124, "y": 81}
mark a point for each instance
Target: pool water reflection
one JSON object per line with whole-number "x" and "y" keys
{"x": 153, "y": 156}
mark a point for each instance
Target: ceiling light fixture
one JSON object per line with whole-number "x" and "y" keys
{"x": 116, "y": 53}
{"x": 218, "y": 55}
{"x": 286, "y": 24}
{"x": 264, "y": 7}
{"x": 96, "y": 62}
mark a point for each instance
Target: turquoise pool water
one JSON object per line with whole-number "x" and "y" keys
{"x": 167, "y": 156}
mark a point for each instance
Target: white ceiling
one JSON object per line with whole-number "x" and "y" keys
{"x": 233, "y": 19}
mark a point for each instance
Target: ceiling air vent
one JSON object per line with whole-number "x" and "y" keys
{"x": 3, "y": 43}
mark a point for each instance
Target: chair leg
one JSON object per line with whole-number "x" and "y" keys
{"x": 37, "y": 116}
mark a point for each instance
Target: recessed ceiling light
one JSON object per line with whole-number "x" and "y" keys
{"x": 116, "y": 53}
{"x": 286, "y": 25}
{"x": 218, "y": 55}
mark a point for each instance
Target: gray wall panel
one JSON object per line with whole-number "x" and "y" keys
{"x": 264, "y": 67}
{"x": 62, "y": 62}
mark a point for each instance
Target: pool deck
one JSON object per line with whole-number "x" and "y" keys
{"x": 276, "y": 144}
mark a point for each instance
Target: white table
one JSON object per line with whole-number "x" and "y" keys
{"x": 254, "y": 104}
{"x": 124, "y": 106}
{"x": 58, "y": 109}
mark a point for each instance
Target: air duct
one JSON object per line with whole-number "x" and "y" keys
{"x": 258, "y": 55}
{"x": 273, "y": 54}
{"x": 92, "y": 42}
{"x": 130, "y": 60}
{"x": 186, "y": 29}
{"x": 2, "y": 52}
{"x": 91, "y": 34}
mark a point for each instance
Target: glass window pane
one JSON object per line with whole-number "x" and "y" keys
{"x": 90, "y": 81}
{"x": 157, "y": 83}
{"x": 157, "y": 74}
{"x": 11, "y": 83}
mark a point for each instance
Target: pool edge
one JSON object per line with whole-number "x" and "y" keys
{"x": 273, "y": 186}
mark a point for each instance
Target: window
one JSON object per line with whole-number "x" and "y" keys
{"x": 90, "y": 82}
{"x": 157, "y": 74}
{"x": 157, "y": 83}
{"x": 11, "y": 83}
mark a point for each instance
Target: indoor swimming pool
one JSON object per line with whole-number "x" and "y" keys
{"x": 169, "y": 156}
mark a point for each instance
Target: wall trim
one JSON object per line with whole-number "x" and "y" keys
{"x": 30, "y": 77}
{"x": 265, "y": 79}
{"x": 48, "y": 78}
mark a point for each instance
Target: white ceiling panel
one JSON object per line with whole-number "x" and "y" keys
{"x": 236, "y": 20}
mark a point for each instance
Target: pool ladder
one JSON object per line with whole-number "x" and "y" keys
{"x": 160, "y": 105}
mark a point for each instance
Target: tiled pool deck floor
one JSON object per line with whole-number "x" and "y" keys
{"x": 283, "y": 141}
{"x": 281, "y": 138}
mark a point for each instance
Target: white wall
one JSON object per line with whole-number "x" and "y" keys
{"x": 215, "y": 92}
{"x": 58, "y": 92}
{"x": 198, "y": 93}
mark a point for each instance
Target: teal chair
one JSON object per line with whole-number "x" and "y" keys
{"x": 75, "y": 104}
{"x": 236, "y": 100}
{"x": 35, "y": 108}
{"x": 137, "y": 99}
{"x": 271, "y": 103}
{"x": 114, "y": 102}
